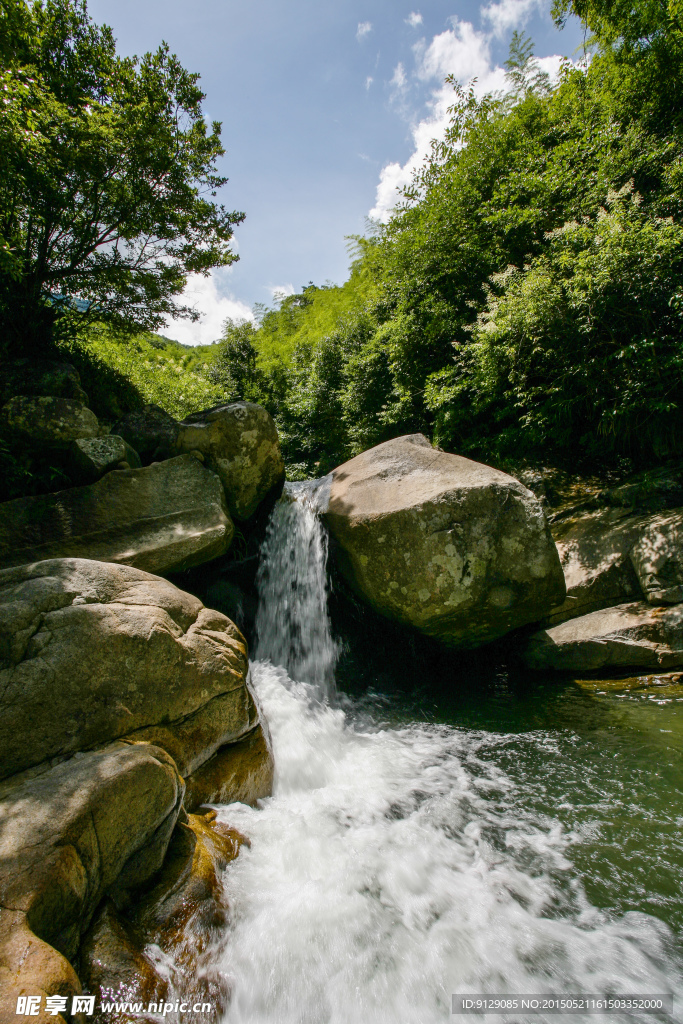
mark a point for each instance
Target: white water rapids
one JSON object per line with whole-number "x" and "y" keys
{"x": 393, "y": 867}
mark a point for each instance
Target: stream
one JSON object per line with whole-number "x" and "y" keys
{"x": 437, "y": 837}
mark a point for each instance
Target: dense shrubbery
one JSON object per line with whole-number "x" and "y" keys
{"x": 526, "y": 299}
{"x": 121, "y": 373}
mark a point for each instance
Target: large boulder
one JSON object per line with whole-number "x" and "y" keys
{"x": 164, "y": 518}
{"x": 69, "y": 835}
{"x": 40, "y": 377}
{"x": 594, "y": 550}
{"x": 52, "y": 421}
{"x": 151, "y": 431}
{"x": 456, "y": 549}
{"x": 612, "y": 556}
{"x": 239, "y": 442}
{"x": 630, "y": 636}
{"x": 118, "y": 690}
{"x": 91, "y": 652}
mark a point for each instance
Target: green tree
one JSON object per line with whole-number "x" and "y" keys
{"x": 107, "y": 178}
{"x": 523, "y": 72}
{"x": 234, "y": 372}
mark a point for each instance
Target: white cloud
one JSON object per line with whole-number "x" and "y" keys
{"x": 364, "y": 27}
{"x": 368, "y": 81}
{"x": 461, "y": 51}
{"x": 207, "y": 296}
{"x": 392, "y": 177}
{"x": 280, "y": 290}
{"x": 508, "y": 14}
{"x": 551, "y": 65}
{"x": 399, "y": 78}
{"x": 414, "y": 19}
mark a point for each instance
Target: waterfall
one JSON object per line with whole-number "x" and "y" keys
{"x": 400, "y": 862}
{"x": 292, "y": 622}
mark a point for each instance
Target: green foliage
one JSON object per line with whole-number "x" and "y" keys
{"x": 524, "y": 73}
{"x": 524, "y": 301}
{"x": 581, "y": 350}
{"x": 302, "y": 319}
{"x": 122, "y": 373}
{"x": 234, "y": 371}
{"x": 107, "y": 173}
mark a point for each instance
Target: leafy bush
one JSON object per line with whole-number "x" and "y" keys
{"x": 120, "y": 374}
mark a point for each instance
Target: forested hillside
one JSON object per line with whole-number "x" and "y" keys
{"x": 525, "y": 302}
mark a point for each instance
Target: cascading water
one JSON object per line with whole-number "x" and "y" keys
{"x": 397, "y": 865}
{"x": 292, "y": 624}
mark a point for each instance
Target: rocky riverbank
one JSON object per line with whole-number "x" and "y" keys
{"x": 125, "y": 701}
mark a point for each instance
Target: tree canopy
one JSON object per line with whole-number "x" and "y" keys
{"x": 108, "y": 179}
{"x": 525, "y": 300}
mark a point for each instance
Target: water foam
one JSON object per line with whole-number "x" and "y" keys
{"x": 393, "y": 867}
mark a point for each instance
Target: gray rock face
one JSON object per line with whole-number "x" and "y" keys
{"x": 456, "y": 549}
{"x": 594, "y": 551}
{"x": 611, "y": 557}
{"x": 629, "y": 636}
{"x": 52, "y": 421}
{"x": 91, "y": 652}
{"x": 164, "y": 518}
{"x": 657, "y": 557}
{"x": 151, "y": 432}
{"x": 239, "y": 442}
{"x": 91, "y": 457}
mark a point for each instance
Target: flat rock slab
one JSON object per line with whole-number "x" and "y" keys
{"x": 239, "y": 442}
{"x": 91, "y": 652}
{"x": 454, "y": 548}
{"x": 52, "y": 421}
{"x": 167, "y": 517}
{"x": 611, "y": 556}
{"x": 628, "y": 636}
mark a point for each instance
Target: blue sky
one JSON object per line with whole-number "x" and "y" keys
{"x": 325, "y": 106}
